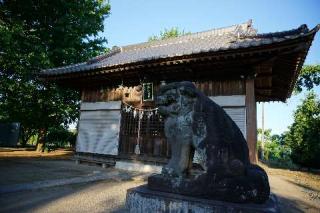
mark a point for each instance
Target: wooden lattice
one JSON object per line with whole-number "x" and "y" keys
{"x": 152, "y": 140}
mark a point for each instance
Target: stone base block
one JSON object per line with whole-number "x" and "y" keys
{"x": 141, "y": 200}
{"x": 138, "y": 167}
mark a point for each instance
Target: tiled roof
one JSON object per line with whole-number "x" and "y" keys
{"x": 229, "y": 38}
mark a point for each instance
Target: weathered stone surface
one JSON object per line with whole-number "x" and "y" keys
{"x": 141, "y": 199}
{"x": 195, "y": 124}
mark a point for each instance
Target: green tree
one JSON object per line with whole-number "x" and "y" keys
{"x": 274, "y": 149}
{"x": 36, "y": 35}
{"x": 308, "y": 78}
{"x": 168, "y": 33}
{"x": 303, "y": 136}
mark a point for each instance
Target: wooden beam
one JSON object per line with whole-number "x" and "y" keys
{"x": 251, "y": 113}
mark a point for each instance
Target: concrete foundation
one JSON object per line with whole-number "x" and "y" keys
{"x": 141, "y": 199}
{"x": 138, "y": 167}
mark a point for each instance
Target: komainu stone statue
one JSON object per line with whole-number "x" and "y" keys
{"x": 200, "y": 130}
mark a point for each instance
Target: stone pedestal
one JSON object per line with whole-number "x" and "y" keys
{"x": 141, "y": 199}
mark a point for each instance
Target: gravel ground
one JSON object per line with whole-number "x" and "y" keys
{"x": 102, "y": 196}
{"x": 109, "y": 196}
{"x": 51, "y": 185}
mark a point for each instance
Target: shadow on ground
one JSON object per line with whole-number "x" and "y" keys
{"x": 295, "y": 206}
{"x": 99, "y": 196}
{"x": 94, "y": 196}
{"x": 102, "y": 196}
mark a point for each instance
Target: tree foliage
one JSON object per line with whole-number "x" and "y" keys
{"x": 303, "y": 136}
{"x": 302, "y": 142}
{"x": 273, "y": 149}
{"x": 36, "y": 35}
{"x": 60, "y": 137}
{"x": 168, "y": 33}
{"x": 308, "y": 78}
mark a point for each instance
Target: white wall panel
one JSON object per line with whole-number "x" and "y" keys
{"x": 238, "y": 115}
{"x": 234, "y": 106}
{"x": 110, "y": 105}
{"x": 99, "y": 128}
{"x": 229, "y": 101}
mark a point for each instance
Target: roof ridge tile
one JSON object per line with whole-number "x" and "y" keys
{"x": 230, "y": 30}
{"x": 233, "y": 37}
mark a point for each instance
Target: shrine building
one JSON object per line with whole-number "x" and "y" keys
{"x": 234, "y": 66}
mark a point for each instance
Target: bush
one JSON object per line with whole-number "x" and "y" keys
{"x": 274, "y": 151}
{"x": 59, "y": 137}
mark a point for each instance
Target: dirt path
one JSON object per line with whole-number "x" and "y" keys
{"x": 7, "y": 153}
{"x": 297, "y": 191}
{"x": 293, "y": 198}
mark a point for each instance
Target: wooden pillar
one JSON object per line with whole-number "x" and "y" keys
{"x": 251, "y": 113}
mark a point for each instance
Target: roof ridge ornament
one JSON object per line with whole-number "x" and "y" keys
{"x": 244, "y": 30}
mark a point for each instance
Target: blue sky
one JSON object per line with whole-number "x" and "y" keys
{"x": 135, "y": 21}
